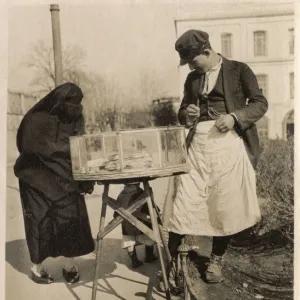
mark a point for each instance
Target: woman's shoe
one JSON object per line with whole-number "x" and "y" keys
{"x": 71, "y": 276}
{"x": 41, "y": 278}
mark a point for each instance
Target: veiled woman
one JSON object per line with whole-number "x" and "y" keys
{"x": 55, "y": 214}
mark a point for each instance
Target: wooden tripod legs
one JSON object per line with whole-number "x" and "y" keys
{"x": 99, "y": 241}
{"x": 156, "y": 233}
{"x": 154, "y": 217}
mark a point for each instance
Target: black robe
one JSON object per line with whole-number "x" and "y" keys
{"x": 55, "y": 214}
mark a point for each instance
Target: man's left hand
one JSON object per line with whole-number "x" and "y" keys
{"x": 225, "y": 123}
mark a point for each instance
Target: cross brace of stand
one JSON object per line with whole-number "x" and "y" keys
{"x": 155, "y": 233}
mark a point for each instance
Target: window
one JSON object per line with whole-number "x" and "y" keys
{"x": 292, "y": 85}
{"x": 291, "y": 41}
{"x": 226, "y": 40}
{"x": 262, "y": 80}
{"x": 260, "y": 43}
{"x": 289, "y": 128}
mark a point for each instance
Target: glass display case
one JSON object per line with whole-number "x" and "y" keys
{"x": 136, "y": 153}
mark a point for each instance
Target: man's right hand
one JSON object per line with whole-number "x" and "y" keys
{"x": 193, "y": 112}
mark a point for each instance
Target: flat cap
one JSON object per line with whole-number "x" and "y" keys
{"x": 191, "y": 44}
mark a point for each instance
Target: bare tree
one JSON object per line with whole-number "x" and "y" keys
{"x": 41, "y": 60}
{"x": 149, "y": 87}
{"x": 104, "y": 100}
{"x": 104, "y": 96}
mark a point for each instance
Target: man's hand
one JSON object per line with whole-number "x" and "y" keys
{"x": 225, "y": 123}
{"x": 193, "y": 112}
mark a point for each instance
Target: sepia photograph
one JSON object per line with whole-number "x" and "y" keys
{"x": 150, "y": 150}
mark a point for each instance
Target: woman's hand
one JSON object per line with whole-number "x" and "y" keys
{"x": 87, "y": 187}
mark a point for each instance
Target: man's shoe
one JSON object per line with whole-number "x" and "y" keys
{"x": 71, "y": 276}
{"x": 213, "y": 273}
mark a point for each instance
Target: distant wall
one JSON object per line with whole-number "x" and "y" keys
{"x": 18, "y": 104}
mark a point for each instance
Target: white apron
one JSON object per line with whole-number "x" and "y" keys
{"x": 218, "y": 197}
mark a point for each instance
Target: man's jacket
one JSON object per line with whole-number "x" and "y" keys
{"x": 243, "y": 98}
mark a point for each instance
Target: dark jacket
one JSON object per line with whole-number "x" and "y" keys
{"x": 242, "y": 97}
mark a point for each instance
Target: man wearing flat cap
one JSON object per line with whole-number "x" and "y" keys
{"x": 221, "y": 103}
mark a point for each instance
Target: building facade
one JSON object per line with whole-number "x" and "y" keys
{"x": 263, "y": 37}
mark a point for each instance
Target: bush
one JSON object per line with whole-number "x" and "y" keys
{"x": 275, "y": 184}
{"x": 138, "y": 118}
{"x": 163, "y": 114}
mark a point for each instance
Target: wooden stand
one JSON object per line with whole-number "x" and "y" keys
{"x": 155, "y": 234}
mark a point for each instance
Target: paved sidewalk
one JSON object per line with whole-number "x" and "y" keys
{"x": 116, "y": 279}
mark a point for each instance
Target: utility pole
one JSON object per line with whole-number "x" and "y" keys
{"x": 54, "y": 8}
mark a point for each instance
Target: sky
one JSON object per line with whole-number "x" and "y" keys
{"x": 119, "y": 38}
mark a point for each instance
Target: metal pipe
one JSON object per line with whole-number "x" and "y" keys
{"x": 54, "y": 8}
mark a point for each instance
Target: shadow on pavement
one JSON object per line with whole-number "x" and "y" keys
{"x": 17, "y": 256}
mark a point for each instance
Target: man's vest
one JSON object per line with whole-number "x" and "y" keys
{"x": 214, "y": 100}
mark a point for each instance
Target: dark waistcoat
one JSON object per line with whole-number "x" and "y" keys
{"x": 215, "y": 99}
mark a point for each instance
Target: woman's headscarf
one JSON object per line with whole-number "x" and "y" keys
{"x": 63, "y": 100}
{"x": 67, "y": 92}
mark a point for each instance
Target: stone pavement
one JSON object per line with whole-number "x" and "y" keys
{"x": 116, "y": 280}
